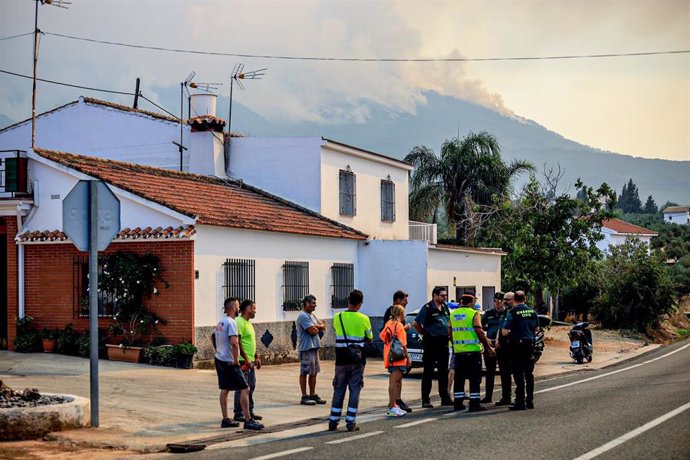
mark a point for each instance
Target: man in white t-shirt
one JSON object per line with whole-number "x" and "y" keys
{"x": 230, "y": 377}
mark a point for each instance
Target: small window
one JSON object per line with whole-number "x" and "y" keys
{"x": 348, "y": 196}
{"x": 343, "y": 276}
{"x": 239, "y": 279}
{"x": 295, "y": 284}
{"x": 387, "y": 200}
{"x": 107, "y": 301}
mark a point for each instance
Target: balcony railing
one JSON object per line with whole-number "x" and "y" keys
{"x": 13, "y": 173}
{"x": 423, "y": 231}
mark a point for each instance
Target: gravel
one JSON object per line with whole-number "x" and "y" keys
{"x": 30, "y": 397}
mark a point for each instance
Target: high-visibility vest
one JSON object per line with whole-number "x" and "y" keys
{"x": 464, "y": 339}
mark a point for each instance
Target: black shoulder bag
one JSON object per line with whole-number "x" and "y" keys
{"x": 354, "y": 351}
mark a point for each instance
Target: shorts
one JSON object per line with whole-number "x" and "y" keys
{"x": 309, "y": 362}
{"x": 402, "y": 369}
{"x": 230, "y": 377}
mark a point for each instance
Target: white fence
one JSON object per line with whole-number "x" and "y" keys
{"x": 423, "y": 231}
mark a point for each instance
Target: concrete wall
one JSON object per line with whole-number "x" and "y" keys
{"x": 680, "y": 218}
{"x": 385, "y": 267}
{"x": 616, "y": 239}
{"x": 285, "y": 166}
{"x": 369, "y": 174}
{"x": 270, "y": 250}
{"x": 92, "y": 129}
{"x": 454, "y": 268}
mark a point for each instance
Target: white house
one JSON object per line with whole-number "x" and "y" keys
{"x": 295, "y": 215}
{"x": 677, "y": 215}
{"x": 617, "y": 231}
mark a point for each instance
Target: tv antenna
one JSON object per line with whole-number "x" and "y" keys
{"x": 65, "y": 5}
{"x": 238, "y": 74}
{"x": 183, "y": 85}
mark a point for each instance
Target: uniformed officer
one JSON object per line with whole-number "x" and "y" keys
{"x": 503, "y": 354}
{"x": 467, "y": 336}
{"x": 520, "y": 327}
{"x": 490, "y": 324}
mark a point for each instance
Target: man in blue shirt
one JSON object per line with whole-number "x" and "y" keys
{"x": 520, "y": 327}
{"x": 309, "y": 342}
{"x": 490, "y": 324}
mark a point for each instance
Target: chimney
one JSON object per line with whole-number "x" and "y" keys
{"x": 206, "y": 151}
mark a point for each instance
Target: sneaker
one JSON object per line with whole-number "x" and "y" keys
{"x": 317, "y": 400}
{"x": 503, "y": 402}
{"x": 227, "y": 423}
{"x": 401, "y": 404}
{"x": 353, "y": 427}
{"x": 252, "y": 425}
{"x": 486, "y": 400}
{"x": 307, "y": 401}
{"x": 395, "y": 411}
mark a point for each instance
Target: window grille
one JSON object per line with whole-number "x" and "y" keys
{"x": 295, "y": 284}
{"x": 239, "y": 279}
{"x": 387, "y": 201}
{"x": 343, "y": 276}
{"x": 107, "y": 301}
{"x": 348, "y": 195}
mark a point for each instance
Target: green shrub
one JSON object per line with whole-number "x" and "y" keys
{"x": 51, "y": 334}
{"x": 636, "y": 288}
{"x": 68, "y": 341}
{"x": 28, "y": 339}
{"x": 185, "y": 348}
{"x": 162, "y": 355}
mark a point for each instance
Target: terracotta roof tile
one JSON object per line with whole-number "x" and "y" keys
{"x": 124, "y": 234}
{"x": 213, "y": 201}
{"x": 124, "y": 108}
{"x": 621, "y": 226}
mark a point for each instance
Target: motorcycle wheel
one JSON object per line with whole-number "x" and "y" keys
{"x": 579, "y": 360}
{"x": 589, "y": 358}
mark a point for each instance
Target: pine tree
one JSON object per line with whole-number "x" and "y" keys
{"x": 629, "y": 199}
{"x": 650, "y": 206}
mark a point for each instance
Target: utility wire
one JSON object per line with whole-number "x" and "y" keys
{"x": 15, "y": 36}
{"x": 337, "y": 59}
{"x": 161, "y": 108}
{"x": 67, "y": 84}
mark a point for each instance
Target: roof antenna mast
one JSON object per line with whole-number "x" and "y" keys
{"x": 60, "y": 4}
{"x": 238, "y": 74}
{"x": 183, "y": 85}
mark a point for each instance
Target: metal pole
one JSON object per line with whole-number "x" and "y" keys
{"x": 93, "y": 298}
{"x": 136, "y": 94}
{"x": 33, "y": 93}
{"x": 230, "y": 109}
{"x": 181, "y": 118}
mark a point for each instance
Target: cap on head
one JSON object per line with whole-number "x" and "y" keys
{"x": 498, "y": 296}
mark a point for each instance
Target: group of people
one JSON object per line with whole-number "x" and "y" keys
{"x": 453, "y": 343}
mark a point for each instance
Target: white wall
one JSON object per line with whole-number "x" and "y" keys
{"x": 680, "y": 218}
{"x": 213, "y": 245}
{"x": 616, "y": 239}
{"x": 285, "y": 166}
{"x": 54, "y": 185}
{"x": 385, "y": 267}
{"x": 468, "y": 269}
{"x": 97, "y": 130}
{"x": 369, "y": 174}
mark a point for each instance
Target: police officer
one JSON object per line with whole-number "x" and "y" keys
{"x": 503, "y": 353}
{"x": 520, "y": 327}
{"x": 432, "y": 323}
{"x": 467, "y": 336}
{"x": 490, "y": 324}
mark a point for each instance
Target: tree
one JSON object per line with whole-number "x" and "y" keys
{"x": 636, "y": 288}
{"x": 650, "y": 206}
{"x": 467, "y": 181}
{"x": 629, "y": 199}
{"x": 549, "y": 243}
{"x": 668, "y": 204}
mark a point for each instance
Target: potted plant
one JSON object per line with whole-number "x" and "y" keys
{"x": 50, "y": 338}
{"x": 184, "y": 352}
{"x": 135, "y": 331}
{"x": 28, "y": 339}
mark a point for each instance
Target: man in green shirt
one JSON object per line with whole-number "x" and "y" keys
{"x": 249, "y": 362}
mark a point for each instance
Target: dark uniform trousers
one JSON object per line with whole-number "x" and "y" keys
{"x": 523, "y": 370}
{"x": 435, "y": 357}
{"x": 505, "y": 370}
{"x": 468, "y": 366}
{"x": 490, "y": 371}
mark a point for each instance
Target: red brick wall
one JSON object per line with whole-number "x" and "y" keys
{"x": 49, "y": 285}
{"x": 12, "y": 302}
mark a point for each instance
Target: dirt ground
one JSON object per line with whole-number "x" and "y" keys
{"x": 34, "y": 450}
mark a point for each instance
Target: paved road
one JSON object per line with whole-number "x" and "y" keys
{"x": 639, "y": 409}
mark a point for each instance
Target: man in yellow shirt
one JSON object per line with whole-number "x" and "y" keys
{"x": 249, "y": 362}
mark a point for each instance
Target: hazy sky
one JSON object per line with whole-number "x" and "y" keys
{"x": 633, "y": 105}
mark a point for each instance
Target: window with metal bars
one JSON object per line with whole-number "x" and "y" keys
{"x": 387, "y": 201}
{"x": 348, "y": 194}
{"x": 107, "y": 301}
{"x": 295, "y": 284}
{"x": 239, "y": 279}
{"x": 343, "y": 276}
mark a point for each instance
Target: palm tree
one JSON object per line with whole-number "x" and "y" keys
{"x": 467, "y": 178}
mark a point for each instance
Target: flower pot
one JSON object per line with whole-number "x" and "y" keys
{"x": 49, "y": 345}
{"x": 126, "y": 354}
{"x": 183, "y": 361}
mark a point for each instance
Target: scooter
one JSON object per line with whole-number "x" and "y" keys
{"x": 538, "y": 347}
{"x": 581, "y": 343}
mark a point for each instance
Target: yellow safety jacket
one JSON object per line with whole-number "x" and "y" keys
{"x": 464, "y": 339}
